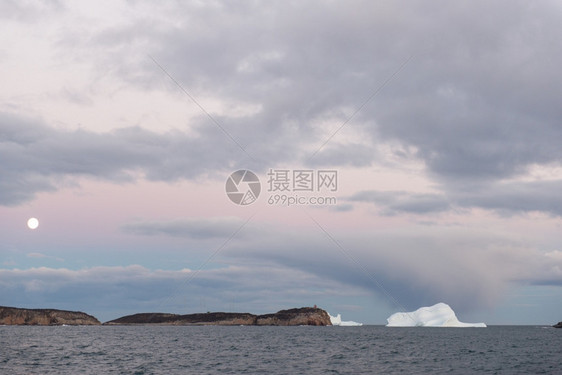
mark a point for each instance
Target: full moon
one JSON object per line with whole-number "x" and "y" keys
{"x": 33, "y": 223}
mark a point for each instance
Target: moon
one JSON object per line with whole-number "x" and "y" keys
{"x": 32, "y": 223}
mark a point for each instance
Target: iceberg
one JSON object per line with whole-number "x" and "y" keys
{"x": 439, "y": 315}
{"x": 336, "y": 321}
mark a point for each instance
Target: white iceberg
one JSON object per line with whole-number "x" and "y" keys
{"x": 336, "y": 321}
{"x": 439, "y": 315}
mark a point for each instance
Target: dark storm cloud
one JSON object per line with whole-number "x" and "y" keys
{"x": 36, "y": 157}
{"x": 506, "y": 198}
{"x": 393, "y": 202}
{"x": 478, "y": 101}
{"x": 541, "y": 196}
{"x": 309, "y": 64}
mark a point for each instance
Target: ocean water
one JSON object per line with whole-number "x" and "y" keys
{"x": 279, "y": 350}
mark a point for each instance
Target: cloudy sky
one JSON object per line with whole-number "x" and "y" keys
{"x": 121, "y": 121}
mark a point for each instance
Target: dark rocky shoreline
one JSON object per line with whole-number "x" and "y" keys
{"x": 293, "y": 317}
{"x": 44, "y": 317}
{"x": 312, "y": 316}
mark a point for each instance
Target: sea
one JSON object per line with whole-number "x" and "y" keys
{"x": 279, "y": 350}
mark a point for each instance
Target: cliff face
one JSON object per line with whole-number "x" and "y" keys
{"x": 292, "y": 317}
{"x": 44, "y": 317}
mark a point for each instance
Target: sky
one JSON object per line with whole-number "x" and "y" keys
{"x": 437, "y": 124}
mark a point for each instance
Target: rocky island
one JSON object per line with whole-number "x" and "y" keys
{"x": 311, "y": 316}
{"x": 44, "y": 317}
{"x": 558, "y": 325}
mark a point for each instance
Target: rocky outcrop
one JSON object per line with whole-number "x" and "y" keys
{"x": 293, "y": 317}
{"x": 44, "y": 317}
{"x": 217, "y": 318}
{"x": 558, "y": 325}
{"x": 305, "y": 316}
